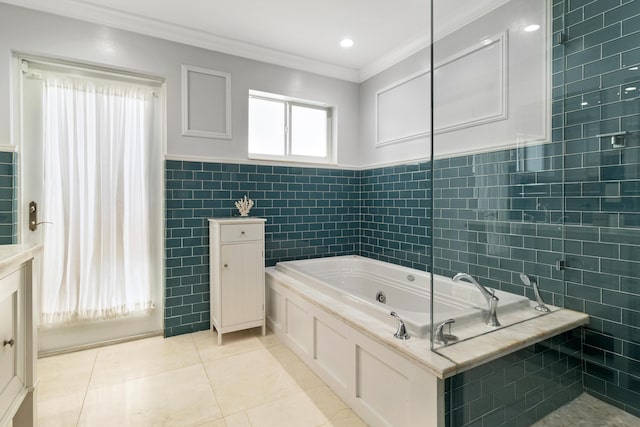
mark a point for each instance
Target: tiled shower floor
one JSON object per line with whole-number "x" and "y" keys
{"x": 251, "y": 381}
{"x": 587, "y": 411}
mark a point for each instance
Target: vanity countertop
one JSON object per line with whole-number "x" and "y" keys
{"x": 11, "y": 256}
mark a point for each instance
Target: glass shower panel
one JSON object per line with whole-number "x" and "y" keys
{"x": 497, "y": 180}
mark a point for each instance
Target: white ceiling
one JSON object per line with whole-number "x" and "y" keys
{"x": 302, "y": 34}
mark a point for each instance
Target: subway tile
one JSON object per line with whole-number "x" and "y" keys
{"x": 622, "y": 13}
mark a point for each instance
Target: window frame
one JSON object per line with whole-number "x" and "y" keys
{"x": 288, "y": 103}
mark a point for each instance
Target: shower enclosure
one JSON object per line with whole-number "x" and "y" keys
{"x": 535, "y": 185}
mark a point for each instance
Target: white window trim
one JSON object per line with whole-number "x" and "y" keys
{"x": 288, "y": 103}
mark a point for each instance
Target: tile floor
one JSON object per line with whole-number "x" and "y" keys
{"x": 251, "y": 381}
{"x": 587, "y": 411}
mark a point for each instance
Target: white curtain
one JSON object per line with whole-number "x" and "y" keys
{"x": 96, "y": 258}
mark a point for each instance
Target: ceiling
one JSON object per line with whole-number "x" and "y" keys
{"x": 302, "y": 34}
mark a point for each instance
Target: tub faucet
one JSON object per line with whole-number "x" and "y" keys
{"x": 488, "y": 294}
{"x": 529, "y": 282}
{"x": 441, "y": 337}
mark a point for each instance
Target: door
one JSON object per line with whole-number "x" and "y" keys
{"x": 31, "y": 178}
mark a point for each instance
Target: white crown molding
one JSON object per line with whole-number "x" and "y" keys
{"x": 164, "y": 30}
{"x": 388, "y": 60}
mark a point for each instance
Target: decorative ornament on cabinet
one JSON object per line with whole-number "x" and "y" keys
{"x": 244, "y": 205}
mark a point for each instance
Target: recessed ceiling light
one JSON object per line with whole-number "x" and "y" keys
{"x": 531, "y": 28}
{"x": 346, "y": 43}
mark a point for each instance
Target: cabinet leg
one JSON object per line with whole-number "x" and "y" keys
{"x": 264, "y": 330}
{"x": 219, "y": 338}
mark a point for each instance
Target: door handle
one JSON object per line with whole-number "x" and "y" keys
{"x": 33, "y": 217}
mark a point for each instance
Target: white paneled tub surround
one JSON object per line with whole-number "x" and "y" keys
{"x": 326, "y": 311}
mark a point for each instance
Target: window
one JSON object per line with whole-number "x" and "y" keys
{"x": 281, "y": 128}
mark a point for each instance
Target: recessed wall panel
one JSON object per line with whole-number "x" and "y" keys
{"x": 332, "y": 352}
{"x": 374, "y": 379}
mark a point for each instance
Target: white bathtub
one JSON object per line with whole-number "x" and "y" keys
{"x": 359, "y": 280}
{"x": 325, "y": 311}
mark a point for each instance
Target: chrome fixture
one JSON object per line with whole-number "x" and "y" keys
{"x": 411, "y": 277}
{"x": 528, "y": 282}
{"x": 488, "y": 294}
{"x": 616, "y": 138}
{"x": 401, "y": 333}
{"x": 381, "y": 297}
{"x": 441, "y": 337}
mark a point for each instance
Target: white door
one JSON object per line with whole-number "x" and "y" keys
{"x": 30, "y": 159}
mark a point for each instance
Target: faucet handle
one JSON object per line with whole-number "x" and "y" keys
{"x": 401, "y": 332}
{"x": 536, "y": 291}
{"x": 441, "y": 337}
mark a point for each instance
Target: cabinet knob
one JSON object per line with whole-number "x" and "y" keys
{"x": 9, "y": 343}
{"x": 226, "y": 265}
{"x": 242, "y": 232}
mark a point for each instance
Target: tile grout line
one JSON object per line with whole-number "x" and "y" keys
{"x": 206, "y": 374}
{"x": 86, "y": 391}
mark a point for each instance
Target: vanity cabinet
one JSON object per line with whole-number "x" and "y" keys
{"x": 236, "y": 270}
{"x": 18, "y": 349}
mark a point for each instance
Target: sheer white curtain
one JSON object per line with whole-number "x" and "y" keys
{"x": 96, "y": 258}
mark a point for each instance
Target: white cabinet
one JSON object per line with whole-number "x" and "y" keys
{"x": 236, "y": 274}
{"x": 17, "y": 336}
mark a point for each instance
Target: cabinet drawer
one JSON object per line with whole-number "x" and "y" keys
{"x": 240, "y": 232}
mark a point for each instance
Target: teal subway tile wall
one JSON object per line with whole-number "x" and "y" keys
{"x": 518, "y": 389}
{"x": 395, "y": 214}
{"x": 602, "y": 191}
{"x": 310, "y": 212}
{"x": 8, "y": 206}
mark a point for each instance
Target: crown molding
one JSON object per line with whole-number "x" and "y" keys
{"x": 164, "y": 30}
{"x": 395, "y": 56}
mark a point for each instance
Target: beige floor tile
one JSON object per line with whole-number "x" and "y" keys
{"x": 137, "y": 359}
{"x": 326, "y": 401}
{"x": 293, "y": 411}
{"x": 220, "y": 422}
{"x": 232, "y": 344}
{"x": 181, "y": 397}
{"x": 65, "y": 374}
{"x": 248, "y": 380}
{"x": 60, "y": 411}
{"x": 299, "y": 371}
{"x": 238, "y": 420}
{"x": 345, "y": 418}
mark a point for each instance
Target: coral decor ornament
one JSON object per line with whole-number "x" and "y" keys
{"x": 244, "y": 205}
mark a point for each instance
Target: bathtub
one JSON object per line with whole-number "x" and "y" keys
{"x": 377, "y": 288}
{"x": 329, "y": 312}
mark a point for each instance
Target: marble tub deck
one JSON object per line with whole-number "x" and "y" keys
{"x": 451, "y": 360}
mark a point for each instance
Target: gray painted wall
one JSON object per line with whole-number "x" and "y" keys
{"x": 31, "y": 32}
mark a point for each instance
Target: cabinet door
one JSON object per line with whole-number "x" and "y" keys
{"x": 10, "y": 372}
{"x": 242, "y": 287}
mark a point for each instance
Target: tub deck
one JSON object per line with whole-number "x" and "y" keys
{"x": 480, "y": 343}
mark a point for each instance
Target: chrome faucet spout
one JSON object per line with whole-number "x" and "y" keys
{"x": 488, "y": 294}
